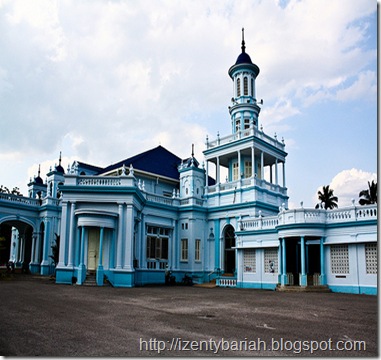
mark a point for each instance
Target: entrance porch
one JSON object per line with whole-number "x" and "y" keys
{"x": 302, "y": 262}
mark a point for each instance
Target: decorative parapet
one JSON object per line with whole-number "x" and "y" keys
{"x": 89, "y": 180}
{"x": 312, "y": 216}
{"x": 161, "y": 199}
{"x": 260, "y": 223}
{"x": 19, "y": 199}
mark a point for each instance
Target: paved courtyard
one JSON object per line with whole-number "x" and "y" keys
{"x": 41, "y": 318}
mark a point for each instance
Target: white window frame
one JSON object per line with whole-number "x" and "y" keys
{"x": 197, "y": 250}
{"x": 184, "y": 250}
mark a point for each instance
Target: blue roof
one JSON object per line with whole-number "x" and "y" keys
{"x": 158, "y": 161}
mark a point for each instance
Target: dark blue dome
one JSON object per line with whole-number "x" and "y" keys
{"x": 60, "y": 169}
{"x": 243, "y": 58}
{"x": 38, "y": 180}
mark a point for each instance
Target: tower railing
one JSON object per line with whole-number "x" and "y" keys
{"x": 252, "y": 131}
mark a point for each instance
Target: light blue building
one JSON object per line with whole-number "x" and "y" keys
{"x": 226, "y": 220}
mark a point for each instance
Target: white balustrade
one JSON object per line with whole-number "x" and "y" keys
{"x": 226, "y": 282}
{"x": 302, "y": 216}
{"x": 19, "y": 199}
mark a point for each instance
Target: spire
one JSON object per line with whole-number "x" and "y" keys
{"x": 192, "y": 150}
{"x": 243, "y": 47}
{"x": 59, "y": 161}
{"x": 39, "y": 170}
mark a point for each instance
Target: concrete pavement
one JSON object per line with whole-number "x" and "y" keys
{"x": 41, "y": 318}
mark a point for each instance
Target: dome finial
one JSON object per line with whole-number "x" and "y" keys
{"x": 59, "y": 161}
{"x": 243, "y": 47}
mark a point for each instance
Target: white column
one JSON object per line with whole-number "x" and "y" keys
{"x": 239, "y": 165}
{"x": 276, "y": 171}
{"x": 129, "y": 242}
{"x": 252, "y": 162}
{"x": 262, "y": 167}
{"x": 284, "y": 173}
{"x": 33, "y": 248}
{"x": 38, "y": 247}
{"x": 119, "y": 248}
{"x": 218, "y": 171}
{"x": 71, "y": 235}
{"x": 271, "y": 174}
{"x": 63, "y": 237}
{"x": 206, "y": 175}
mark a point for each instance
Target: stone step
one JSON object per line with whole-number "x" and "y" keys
{"x": 292, "y": 288}
{"x": 90, "y": 281}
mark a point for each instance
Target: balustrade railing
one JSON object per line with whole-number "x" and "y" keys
{"x": 246, "y": 182}
{"x": 301, "y": 216}
{"x": 99, "y": 181}
{"x": 157, "y": 264}
{"x": 243, "y": 134}
{"x": 226, "y": 281}
{"x": 20, "y": 199}
{"x": 159, "y": 199}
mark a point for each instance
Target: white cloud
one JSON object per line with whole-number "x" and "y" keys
{"x": 101, "y": 80}
{"x": 347, "y": 185}
{"x": 364, "y": 88}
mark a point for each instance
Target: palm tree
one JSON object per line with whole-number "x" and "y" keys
{"x": 326, "y": 196}
{"x": 369, "y": 196}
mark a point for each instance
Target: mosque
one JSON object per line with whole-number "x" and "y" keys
{"x": 134, "y": 222}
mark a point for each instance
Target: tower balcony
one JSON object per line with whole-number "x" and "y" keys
{"x": 246, "y": 190}
{"x": 252, "y": 131}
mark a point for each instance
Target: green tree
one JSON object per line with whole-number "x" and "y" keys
{"x": 369, "y": 196}
{"x": 326, "y": 196}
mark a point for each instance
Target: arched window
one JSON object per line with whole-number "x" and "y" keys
{"x": 252, "y": 87}
{"x": 245, "y": 86}
{"x": 238, "y": 87}
{"x": 229, "y": 240}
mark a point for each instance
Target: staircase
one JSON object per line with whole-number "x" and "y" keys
{"x": 90, "y": 280}
{"x": 209, "y": 285}
{"x": 291, "y": 288}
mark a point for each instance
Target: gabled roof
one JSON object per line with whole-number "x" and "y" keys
{"x": 158, "y": 161}
{"x": 92, "y": 168}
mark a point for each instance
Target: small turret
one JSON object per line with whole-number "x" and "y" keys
{"x": 192, "y": 178}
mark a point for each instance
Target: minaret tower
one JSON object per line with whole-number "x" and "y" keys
{"x": 244, "y": 110}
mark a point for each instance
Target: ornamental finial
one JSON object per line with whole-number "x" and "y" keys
{"x": 243, "y": 47}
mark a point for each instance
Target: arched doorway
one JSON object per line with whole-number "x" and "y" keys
{"x": 229, "y": 252}
{"x": 16, "y": 243}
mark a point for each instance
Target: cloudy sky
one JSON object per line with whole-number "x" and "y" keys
{"x": 104, "y": 80}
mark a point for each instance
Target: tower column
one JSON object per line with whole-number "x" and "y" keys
{"x": 218, "y": 171}
{"x": 239, "y": 165}
{"x": 284, "y": 173}
{"x": 262, "y": 165}
{"x": 276, "y": 171}
{"x": 206, "y": 176}
{"x": 252, "y": 162}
